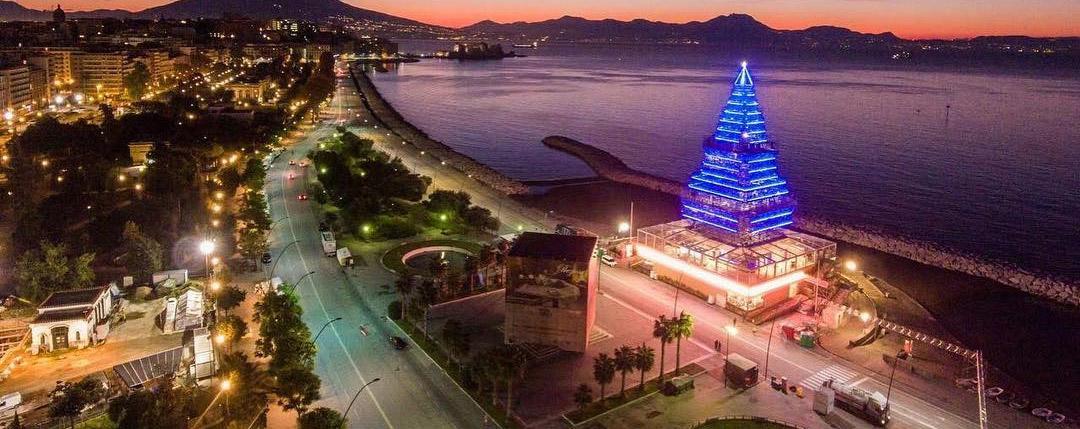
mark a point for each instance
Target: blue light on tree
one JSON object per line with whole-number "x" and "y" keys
{"x": 738, "y": 188}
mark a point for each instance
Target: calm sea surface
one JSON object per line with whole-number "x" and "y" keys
{"x": 982, "y": 162}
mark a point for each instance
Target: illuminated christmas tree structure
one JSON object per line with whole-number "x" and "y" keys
{"x": 731, "y": 244}
{"x": 738, "y": 188}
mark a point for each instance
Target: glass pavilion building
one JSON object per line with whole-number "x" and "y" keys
{"x": 731, "y": 243}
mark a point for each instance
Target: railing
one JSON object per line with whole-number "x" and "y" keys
{"x": 750, "y": 418}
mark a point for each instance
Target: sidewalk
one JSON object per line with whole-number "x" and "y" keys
{"x": 710, "y": 398}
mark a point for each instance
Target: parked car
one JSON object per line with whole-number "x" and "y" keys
{"x": 608, "y": 260}
{"x": 9, "y": 403}
{"x": 398, "y": 343}
{"x": 266, "y": 258}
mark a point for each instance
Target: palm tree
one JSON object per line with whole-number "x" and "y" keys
{"x": 683, "y": 328}
{"x": 404, "y": 287}
{"x": 603, "y": 371}
{"x": 583, "y": 395}
{"x": 662, "y": 331}
{"x": 429, "y": 294}
{"x": 643, "y": 361}
{"x": 512, "y": 364}
{"x": 624, "y": 363}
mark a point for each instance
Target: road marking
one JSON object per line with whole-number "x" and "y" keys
{"x": 326, "y": 314}
{"x": 708, "y": 350}
{"x": 836, "y": 373}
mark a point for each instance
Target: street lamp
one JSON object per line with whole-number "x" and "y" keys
{"x": 346, "y": 413}
{"x": 206, "y": 247}
{"x": 851, "y": 265}
{"x": 888, "y": 393}
{"x": 294, "y": 285}
{"x": 328, "y": 322}
{"x": 276, "y": 260}
{"x": 729, "y": 330}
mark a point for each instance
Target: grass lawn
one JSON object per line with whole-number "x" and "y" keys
{"x": 454, "y": 372}
{"x": 740, "y": 424}
{"x": 392, "y": 258}
{"x": 99, "y": 422}
{"x": 611, "y": 402}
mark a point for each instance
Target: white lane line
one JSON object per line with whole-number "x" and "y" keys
{"x": 808, "y": 371}
{"x": 326, "y": 314}
{"x": 651, "y": 318}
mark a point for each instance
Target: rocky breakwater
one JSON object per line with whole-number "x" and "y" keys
{"x": 608, "y": 166}
{"x": 388, "y": 117}
{"x": 1046, "y": 286}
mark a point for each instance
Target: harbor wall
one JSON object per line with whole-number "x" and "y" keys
{"x": 610, "y": 167}
{"x": 389, "y": 117}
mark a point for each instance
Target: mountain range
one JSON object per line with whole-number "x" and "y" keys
{"x": 735, "y": 29}
{"x": 310, "y": 10}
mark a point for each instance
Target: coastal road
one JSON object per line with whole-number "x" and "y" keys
{"x": 910, "y": 408}
{"x": 413, "y": 392}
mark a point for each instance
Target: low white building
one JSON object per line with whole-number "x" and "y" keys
{"x": 71, "y": 319}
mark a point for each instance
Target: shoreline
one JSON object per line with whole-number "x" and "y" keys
{"x": 612, "y": 168}
{"x": 389, "y": 117}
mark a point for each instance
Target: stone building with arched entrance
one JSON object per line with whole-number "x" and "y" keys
{"x": 71, "y": 319}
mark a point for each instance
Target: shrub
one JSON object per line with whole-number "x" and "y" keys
{"x": 394, "y": 310}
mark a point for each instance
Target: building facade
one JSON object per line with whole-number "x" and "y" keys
{"x": 731, "y": 245}
{"x": 15, "y": 91}
{"x": 71, "y": 319}
{"x": 551, "y": 290}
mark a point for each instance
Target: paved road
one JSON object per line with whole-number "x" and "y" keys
{"x": 413, "y": 391}
{"x": 910, "y": 410}
{"x": 653, "y": 298}
{"x": 419, "y": 395}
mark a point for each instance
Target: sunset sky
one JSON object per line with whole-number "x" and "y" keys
{"x": 906, "y": 18}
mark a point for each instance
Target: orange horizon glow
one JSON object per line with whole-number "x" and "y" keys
{"x": 916, "y": 19}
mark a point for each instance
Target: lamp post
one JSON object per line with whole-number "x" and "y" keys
{"x": 294, "y": 285}
{"x": 346, "y": 413}
{"x": 282, "y": 252}
{"x": 768, "y": 347}
{"x": 206, "y": 247}
{"x": 328, "y": 322}
{"x": 729, "y": 331}
{"x": 888, "y": 392}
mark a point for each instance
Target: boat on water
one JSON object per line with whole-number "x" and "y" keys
{"x": 532, "y": 45}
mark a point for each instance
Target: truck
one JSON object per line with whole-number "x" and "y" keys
{"x": 344, "y": 257}
{"x": 867, "y": 405}
{"x": 329, "y": 245}
{"x": 740, "y": 371}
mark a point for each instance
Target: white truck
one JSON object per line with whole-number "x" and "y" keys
{"x": 329, "y": 245}
{"x": 870, "y": 406}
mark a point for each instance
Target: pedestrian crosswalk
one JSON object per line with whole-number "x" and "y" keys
{"x": 837, "y": 373}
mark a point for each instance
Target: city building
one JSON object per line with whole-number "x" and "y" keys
{"x": 15, "y": 92}
{"x": 732, "y": 246}
{"x": 71, "y": 319}
{"x": 551, "y": 290}
{"x": 101, "y": 74}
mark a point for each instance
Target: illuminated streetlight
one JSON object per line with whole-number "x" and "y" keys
{"x": 850, "y": 265}
{"x": 206, "y": 247}
{"x": 226, "y": 384}
{"x": 864, "y": 316}
{"x": 624, "y": 227}
{"x": 219, "y": 338}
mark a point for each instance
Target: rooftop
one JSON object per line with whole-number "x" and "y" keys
{"x": 576, "y": 248}
{"x": 61, "y": 315}
{"x": 707, "y": 241}
{"x": 69, "y": 298}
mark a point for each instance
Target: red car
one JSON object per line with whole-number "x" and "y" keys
{"x": 302, "y": 197}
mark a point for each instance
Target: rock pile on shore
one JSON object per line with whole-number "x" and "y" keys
{"x": 389, "y": 117}
{"x": 610, "y": 167}
{"x": 938, "y": 256}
